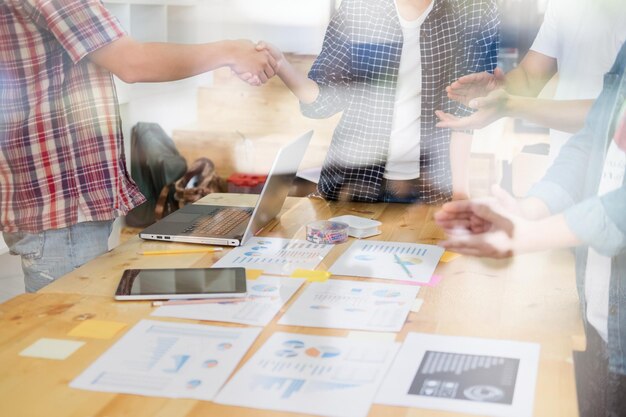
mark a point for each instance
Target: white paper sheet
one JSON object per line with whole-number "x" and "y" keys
{"x": 326, "y": 376}
{"x": 173, "y": 360}
{"x": 266, "y": 296}
{"x": 275, "y": 256}
{"x": 389, "y": 260}
{"x": 465, "y": 375}
{"x": 352, "y": 305}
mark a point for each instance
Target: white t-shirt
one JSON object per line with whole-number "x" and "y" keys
{"x": 584, "y": 36}
{"x": 404, "y": 146}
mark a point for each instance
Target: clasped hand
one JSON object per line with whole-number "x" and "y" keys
{"x": 482, "y": 227}
{"x": 258, "y": 62}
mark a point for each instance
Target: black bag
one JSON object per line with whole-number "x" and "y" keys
{"x": 154, "y": 164}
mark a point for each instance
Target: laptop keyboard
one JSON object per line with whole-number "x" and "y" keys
{"x": 220, "y": 223}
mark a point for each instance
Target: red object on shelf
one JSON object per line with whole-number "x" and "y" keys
{"x": 246, "y": 183}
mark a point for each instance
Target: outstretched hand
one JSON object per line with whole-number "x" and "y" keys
{"x": 254, "y": 66}
{"x": 472, "y": 86}
{"x": 488, "y": 110}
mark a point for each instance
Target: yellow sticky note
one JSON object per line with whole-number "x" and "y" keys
{"x": 52, "y": 349}
{"x": 417, "y": 305}
{"x": 387, "y": 337}
{"x": 449, "y": 256}
{"x": 97, "y": 329}
{"x": 311, "y": 276}
{"x": 253, "y": 274}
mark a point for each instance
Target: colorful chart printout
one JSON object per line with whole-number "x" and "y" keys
{"x": 326, "y": 376}
{"x": 389, "y": 260}
{"x": 275, "y": 256}
{"x": 352, "y": 305}
{"x": 173, "y": 360}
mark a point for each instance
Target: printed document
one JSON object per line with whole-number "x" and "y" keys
{"x": 464, "y": 375}
{"x": 174, "y": 360}
{"x": 389, "y": 260}
{"x": 326, "y": 376}
{"x": 354, "y": 305}
{"x": 275, "y": 256}
{"x": 266, "y": 296}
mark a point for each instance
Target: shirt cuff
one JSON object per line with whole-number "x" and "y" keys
{"x": 590, "y": 222}
{"x": 554, "y": 196}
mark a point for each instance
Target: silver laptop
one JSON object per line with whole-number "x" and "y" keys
{"x": 233, "y": 226}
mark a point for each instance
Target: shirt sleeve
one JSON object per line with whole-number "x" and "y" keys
{"x": 481, "y": 44}
{"x": 332, "y": 70}
{"x": 81, "y": 27}
{"x": 599, "y": 222}
{"x": 547, "y": 40}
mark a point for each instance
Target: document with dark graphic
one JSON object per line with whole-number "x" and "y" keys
{"x": 478, "y": 376}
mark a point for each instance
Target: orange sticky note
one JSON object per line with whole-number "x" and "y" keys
{"x": 311, "y": 276}
{"x": 253, "y": 274}
{"x": 97, "y": 329}
{"x": 449, "y": 256}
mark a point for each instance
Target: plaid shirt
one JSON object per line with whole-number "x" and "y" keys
{"x": 357, "y": 72}
{"x": 61, "y": 144}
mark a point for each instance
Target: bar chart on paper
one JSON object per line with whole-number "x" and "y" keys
{"x": 275, "y": 256}
{"x": 172, "y": 360}
{"x": 355, "y": 305}
{"x": 327, "y": 376}
{"x": 389, "y": 260}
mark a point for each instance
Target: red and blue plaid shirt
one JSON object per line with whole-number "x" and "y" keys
{"x": 61, "y": 145}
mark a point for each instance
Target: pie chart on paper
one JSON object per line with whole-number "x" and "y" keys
{"x": 324, "y": 352}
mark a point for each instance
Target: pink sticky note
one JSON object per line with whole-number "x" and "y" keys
{"x": 434, "y": 280}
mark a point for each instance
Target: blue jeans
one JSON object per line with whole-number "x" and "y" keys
{"x": 402, "y": 191}
{"x": 51, "y": 254}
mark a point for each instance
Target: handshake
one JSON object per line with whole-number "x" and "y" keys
{"x": 254, "y": 63}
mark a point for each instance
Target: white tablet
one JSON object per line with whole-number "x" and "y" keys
{"x": 168, "y": 284}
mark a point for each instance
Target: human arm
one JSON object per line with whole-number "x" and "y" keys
{"x": 564, "y": 115}
{"x": 501, "y": 234}
{"x": 304, "y": 88}
{"x": 134, "y": 61}
{"x": 332, "y": 70}
{"x": 488, "y": 228}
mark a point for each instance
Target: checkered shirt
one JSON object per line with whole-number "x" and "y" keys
{"x": 357, "y": 72}
{"x": 61, "y": 144}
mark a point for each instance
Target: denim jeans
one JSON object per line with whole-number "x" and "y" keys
{"x": 405, "y": 192}
{"x": 600, "y": 392}
{"x": 51, "y": 254}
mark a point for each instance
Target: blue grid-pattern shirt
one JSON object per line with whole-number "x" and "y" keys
{"x": 357, "y": 73}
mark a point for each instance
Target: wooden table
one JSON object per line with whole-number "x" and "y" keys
{"x": 529, "y": 298}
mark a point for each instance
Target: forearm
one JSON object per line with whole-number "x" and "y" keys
{"x": 546, "y": 234}
{"x": 567, "y": 116}
{"x": 134, "y": 61}
{"x": 531, "y": 75}
{"x": 154, "y": 62}
{"x": 460, "y": 151}
{"x": 305, "y": 89}
{"x": 532, "y": 208}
